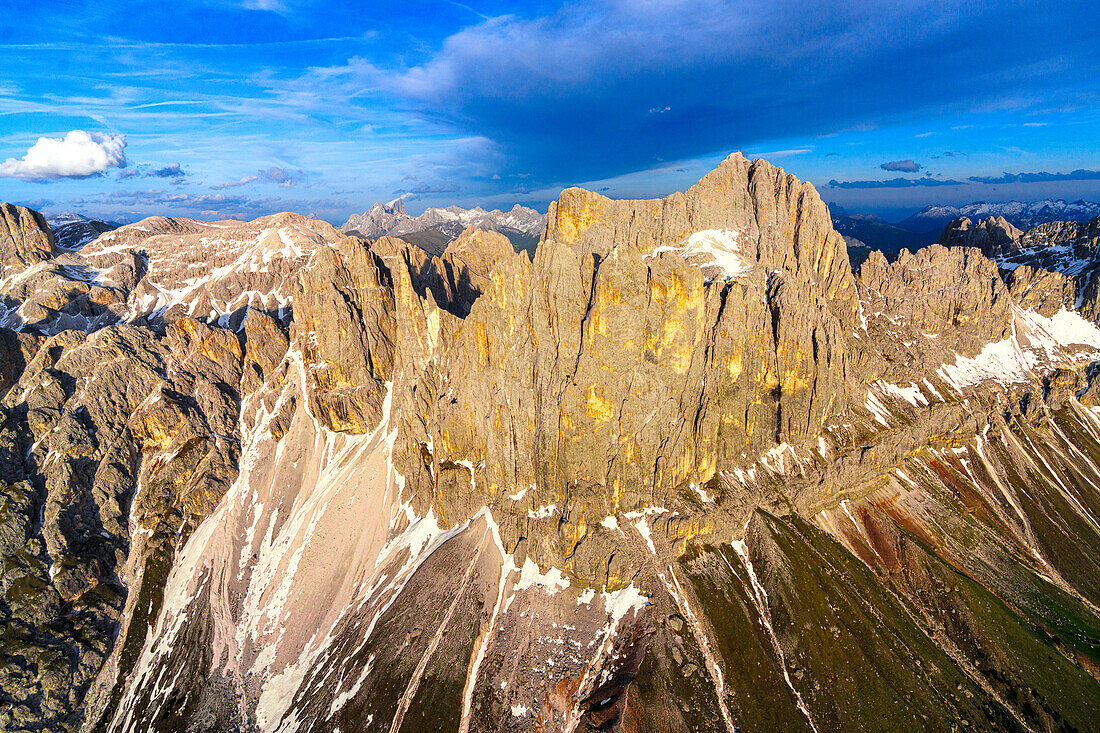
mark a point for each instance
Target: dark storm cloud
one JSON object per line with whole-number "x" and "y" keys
{"x": 728, "y": 74}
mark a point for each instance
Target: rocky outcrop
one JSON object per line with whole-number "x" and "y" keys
{"x": 722, "y": 363}
{"x": 25, "y": 239}
{"x": 377, "y": 220}
{"x": 1039, "y": 290}
{"x": 1052, "y": 263}
{"x": 992, "y": 235}
{"x": 72, "y": 231}
{"x": 954, "y": 291}
{"x": 344, "y": 329}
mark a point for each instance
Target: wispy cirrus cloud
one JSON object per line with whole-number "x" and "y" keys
{"x": 424, "y": 189}
{"x": 274, "y": 174}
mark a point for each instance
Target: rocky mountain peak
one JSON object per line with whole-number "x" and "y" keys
{"x": 991, "y": 235}
{"x": 25, "y": 239}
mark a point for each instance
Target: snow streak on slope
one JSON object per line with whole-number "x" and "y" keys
{"x": 1035, "y": 342}
{"x": 278, "y": 562}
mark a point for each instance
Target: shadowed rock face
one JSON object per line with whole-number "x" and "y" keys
{"x": 25, "y": 239}
{"x": 682, "y": 470}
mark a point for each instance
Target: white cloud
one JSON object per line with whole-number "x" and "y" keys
{"x": 78, "y": 155}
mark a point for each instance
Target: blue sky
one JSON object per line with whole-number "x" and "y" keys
{"x": 237, "y": 108}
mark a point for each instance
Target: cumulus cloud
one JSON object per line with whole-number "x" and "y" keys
{"x": 895, "y": 183}
{"x": 283, "y": 177}
{"x": 901, "y": 166}
{"x": 79, "y": 154}
{"x": 1080, "y": 174}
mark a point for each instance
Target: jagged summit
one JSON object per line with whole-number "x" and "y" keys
{"x": 681, "y": 470}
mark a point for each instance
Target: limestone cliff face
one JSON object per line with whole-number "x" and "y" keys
{"x": 624, "y": 365}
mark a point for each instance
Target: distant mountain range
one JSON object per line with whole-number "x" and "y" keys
{"x": 74, "y": 230}
{"x": 433, "y": 230}
{"x": 1017, "y": 213}
{"x": 867, "y": 232}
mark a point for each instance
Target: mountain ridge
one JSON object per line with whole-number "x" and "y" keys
{"x": 1024, "y": 215}
{"x": 683, "y": 469}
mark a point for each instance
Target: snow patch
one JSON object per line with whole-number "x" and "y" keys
{"x": 911, "y": 394}
{"x": 518, "y": 496}
{"x": 552, "y": 580}
{"x": 711, "y": 247}
{"x": 543, "y": 512}
{"x": 704, "y": 497}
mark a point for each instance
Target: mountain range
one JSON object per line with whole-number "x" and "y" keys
{"x": 436, "y": 228}
{"x": 867, "y": 232}
{"x": 1018, "y": 213}
{"x": 72, "y": 231}
{"x": 681, "y": 469}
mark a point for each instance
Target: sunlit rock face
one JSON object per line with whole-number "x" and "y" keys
{"x": 681, "y": 470}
